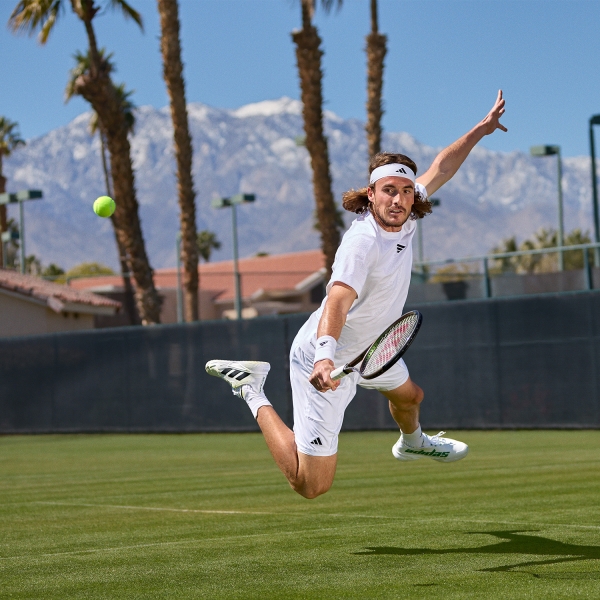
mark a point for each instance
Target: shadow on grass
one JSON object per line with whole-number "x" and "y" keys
{"x": 512, "y": 542}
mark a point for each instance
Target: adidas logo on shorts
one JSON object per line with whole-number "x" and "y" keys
{"x": 317, "y": 442}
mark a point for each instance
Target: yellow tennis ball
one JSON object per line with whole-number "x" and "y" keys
{"x": 104, "y": 206}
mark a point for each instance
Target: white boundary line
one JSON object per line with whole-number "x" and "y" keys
{"x": 313, "y": 515}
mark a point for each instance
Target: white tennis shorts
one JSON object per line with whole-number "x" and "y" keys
{"x": 318, "y": 416}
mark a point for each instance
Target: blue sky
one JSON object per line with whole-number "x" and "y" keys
{"x": 446, "y": 61}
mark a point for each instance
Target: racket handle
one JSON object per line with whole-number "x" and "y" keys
{"x": 339, "y": 373}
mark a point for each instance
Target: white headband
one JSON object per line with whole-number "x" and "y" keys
{"x": 393, "y": 170}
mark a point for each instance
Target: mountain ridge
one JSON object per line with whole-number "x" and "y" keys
{"x": 252, "y": 149}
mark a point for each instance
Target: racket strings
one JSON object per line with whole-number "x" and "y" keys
{"x": 391, "y": 344}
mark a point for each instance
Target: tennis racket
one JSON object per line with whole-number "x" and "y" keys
{"x": 386, "y": 350}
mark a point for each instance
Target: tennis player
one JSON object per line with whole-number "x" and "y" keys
{"x": 366, "y": 294}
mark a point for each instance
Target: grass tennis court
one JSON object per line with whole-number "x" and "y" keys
{"x": 209, "y": 516}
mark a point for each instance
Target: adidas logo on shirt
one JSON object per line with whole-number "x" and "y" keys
{"x": 317, "y": 442}
{"x": 399, "y": 247}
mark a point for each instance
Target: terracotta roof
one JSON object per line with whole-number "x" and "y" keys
{"x": 57, "y": 297}
{"x": 269, "y": 274}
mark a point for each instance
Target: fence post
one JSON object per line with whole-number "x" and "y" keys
{"x": 487, "y": 284}
{"x": 587, "y": 274}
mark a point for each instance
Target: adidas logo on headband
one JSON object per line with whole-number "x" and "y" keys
{"x": 392, "y": 170}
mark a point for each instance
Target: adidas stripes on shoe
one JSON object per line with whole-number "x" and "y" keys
{"x": 240, "y": 373}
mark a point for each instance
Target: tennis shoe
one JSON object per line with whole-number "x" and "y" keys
{"x": 240, "y": 373}
{"x": 435, "y": 447}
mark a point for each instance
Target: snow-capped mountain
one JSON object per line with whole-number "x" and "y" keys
{"x": 253, "y": 150}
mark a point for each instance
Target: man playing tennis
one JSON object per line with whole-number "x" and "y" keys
{"x": 366, "y": 294}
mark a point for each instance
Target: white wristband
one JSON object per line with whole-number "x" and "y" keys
{"x": 325, "y": 348}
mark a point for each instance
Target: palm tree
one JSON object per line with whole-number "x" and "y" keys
{"x": 376, "y": 51}
{"x": 91, "y": 79}
{"x": 9, "y": 140}
{"x": 308, "y": 57}
{"x": 173, "y": 75}
{"x": 206, "y": 241}
{"x": 128, "y": 108}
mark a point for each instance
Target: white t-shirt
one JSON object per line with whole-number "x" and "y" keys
{"x": 377, "y": 265}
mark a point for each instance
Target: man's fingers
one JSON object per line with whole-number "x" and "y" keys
{"x": 500, "y": 126}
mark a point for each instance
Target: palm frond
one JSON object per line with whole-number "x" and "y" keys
{"x": 9, "y": 136}
{"x": 327, "y": 5}
{"x": 128, "y": 11}
{"x": 82, "y": 66}
{"x": 30, "y": 15}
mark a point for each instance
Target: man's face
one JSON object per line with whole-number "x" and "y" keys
{"x": 392, "y": 201}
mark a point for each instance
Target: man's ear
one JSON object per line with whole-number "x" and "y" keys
{"x": 370, "y": 193}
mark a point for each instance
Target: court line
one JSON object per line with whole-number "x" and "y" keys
{"x": 313, "y": 515}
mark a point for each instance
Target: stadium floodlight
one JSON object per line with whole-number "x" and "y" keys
{"x": 595, "y": 120}
{"x": 20, "y": 197}
{"x": 551, "y": 151}
{"x": 233, "y": 201}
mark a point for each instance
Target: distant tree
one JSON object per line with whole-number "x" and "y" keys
{"x": 206, "y": 242}
{"x": 33, "y": 265}
{"x": 9, "y": 141}
{"x": 543, "y": 262}
{"x": 505, "y": 264}
{"x": 86, "y": 269}
{"x": 574, "y": 258}
{"x": 173, "y": 75}
{"x": 91, "y": 79}
{"x": 52, "y": 272}
{"x": 12, "y": 247}
{"x": 376, "y": 51}
{"x": 308, "y": 58}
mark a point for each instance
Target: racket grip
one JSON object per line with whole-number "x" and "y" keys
{"x": 338, "y": 373}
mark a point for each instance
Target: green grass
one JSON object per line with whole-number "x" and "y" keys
{"x": 209, "y": 516}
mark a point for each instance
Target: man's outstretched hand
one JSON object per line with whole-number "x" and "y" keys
{"x": 492, "y": 120}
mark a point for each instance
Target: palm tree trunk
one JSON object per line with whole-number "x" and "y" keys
{"x": 99, "y": 91}
{"x": 173, "y": 75}
{"x": 308, "y": 56}
{"x": 125, "y": 270}
{"x": 376, "y": 51}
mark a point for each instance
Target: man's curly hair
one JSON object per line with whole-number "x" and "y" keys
{"x": 357, "y": 201}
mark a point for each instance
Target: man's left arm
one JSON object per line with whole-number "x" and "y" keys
{"x": 449, "y": 160}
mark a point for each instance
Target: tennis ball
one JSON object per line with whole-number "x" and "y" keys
{"x": 104, "y": 206}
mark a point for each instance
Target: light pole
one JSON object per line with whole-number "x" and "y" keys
{"x": 20, "y": 197}
{"x": 595, "y": 120}
{"x": 179, "y": 292}
{"x": 233, "y": 202}
{"x": 434, "y": 202}
{"x": 550, "y": 151}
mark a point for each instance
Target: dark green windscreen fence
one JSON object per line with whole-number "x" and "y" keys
{"x": 521, "y": 362}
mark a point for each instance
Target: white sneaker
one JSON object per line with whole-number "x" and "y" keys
{"x": 240, "y": 373}
{"x": 435, "y": 447}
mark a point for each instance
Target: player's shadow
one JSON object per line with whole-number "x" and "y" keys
{"x": 511, "y": 542}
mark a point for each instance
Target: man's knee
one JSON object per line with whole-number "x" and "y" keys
{"x": 315, "y": 475}
{"x": 311, "y": 491}
{"x": 406, "y": 396}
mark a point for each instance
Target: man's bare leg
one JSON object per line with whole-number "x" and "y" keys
{"x": 310, "y": 476}
{"x": 404, "y": 403}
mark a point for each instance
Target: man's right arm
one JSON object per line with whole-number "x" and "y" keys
{"x": 339, "y": 301}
